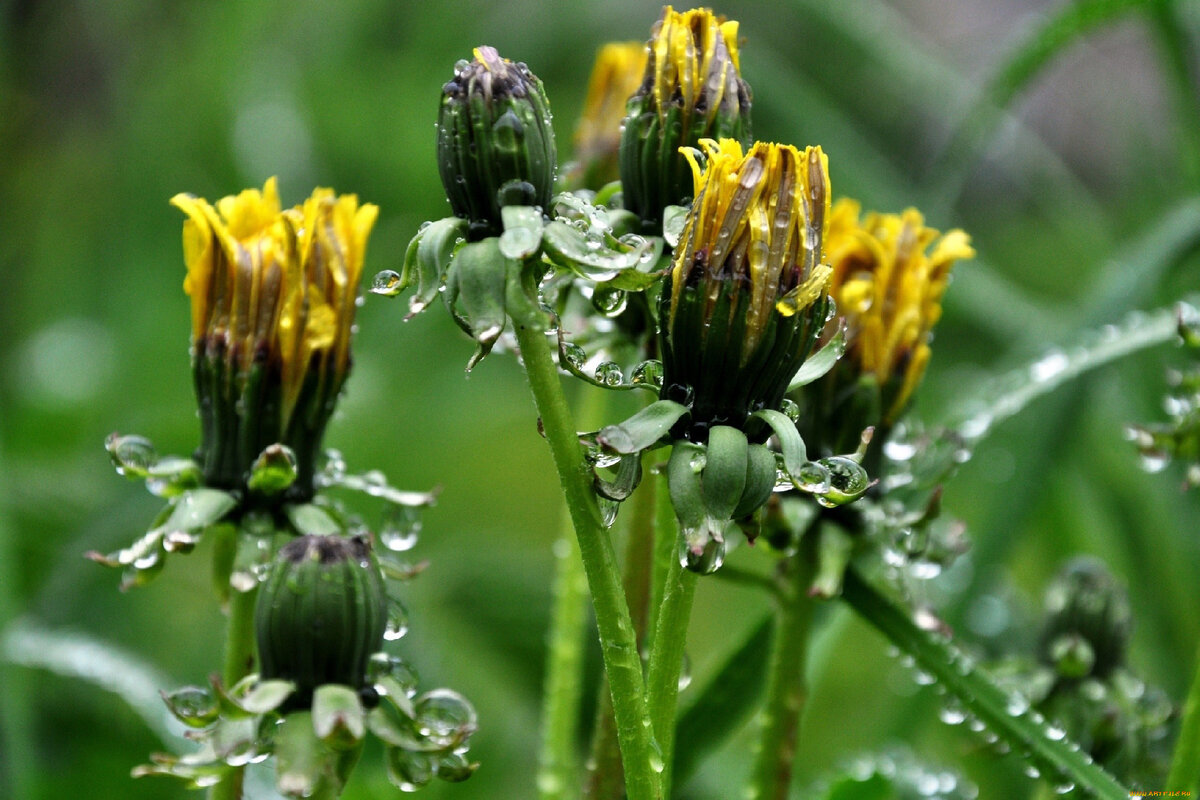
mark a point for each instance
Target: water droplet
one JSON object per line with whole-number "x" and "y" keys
{"x": 397, "y": 620}
{"x": 1049, "y": 366}
{"x": 685, "y": 673}
{"x": 609, "y": 302}
{"x": 609, "y": 373}
{"x": 386, "y": 283}
{"x": 648, "y": 373}
{"x": 400, "y": 528}
{"x": 519, "y": 243}
{"x": 132, "y": 456}
{"x": 574, "y": 354}
{"x": 1016, "y": 705}
{"x": 1032, "y": 771}
{"x": 383, "y": 665}
{"x": 444, "y": 717}
{"x": 705, "y": 560}
{"x": 790, "y": 408}
{"x": 897, "y": 450}
{"x": 952, "y": 714}
{"x": 813, "y": 478}
{"x": 1055, "y": 733}
{"x": 1064, "y": 788}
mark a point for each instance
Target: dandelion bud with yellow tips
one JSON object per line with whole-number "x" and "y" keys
{"x": 692, "y": 90}
{"x": 616, "y": 75}
{"x": 889, "y": 274}
{"x": 495, "y": 143}
{"x": 274, "y": 294}
{"x": 745, "y": 300}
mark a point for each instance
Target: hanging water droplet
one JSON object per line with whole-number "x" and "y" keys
{"x": 790, "y": 408}
{"x": 384, "y": 665}
{"x": 608, "y": 301}
{"x": 897, "y": 450}
{"x": 1016, "y": 705}
{"x": 813, "y": 478}
{"x": 951, "y": 714}
{"x": 400, "y": 528}
{"x": 1064, "y": 788}
{"x": 386, "y": 283}
{"x": 685, "y": 673}
{"x": 575, "y": 355}
{"x": 648, "y": 373}
{"x": 1032, "y": 771}
{"x": 707, "y": 560}
{"x": 397, "y": 620}
{"x": 444, "y": 717}
{"x": 1049, "y": 365}
{"x": 1055, "y": 733}
{"x": 132, "y": 456}
{"x": 609, "y": 373}
{"x": 608, "y": 510}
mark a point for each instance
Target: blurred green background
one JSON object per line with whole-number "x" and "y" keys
{"x": 1080, "y": 195}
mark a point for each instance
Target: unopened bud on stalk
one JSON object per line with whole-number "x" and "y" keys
{"x": 321, "y": 613}
{"x": 495, "y": 143}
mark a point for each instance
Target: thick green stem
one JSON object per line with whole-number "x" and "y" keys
{"x": 605, "y": 773}
{"x": 618, "y": 641}
{"x": 1007, "y": 715}
{"x": 779, "y": 729}
{"x": 557, "y": 764}
{"x": 16, "y": 707}
{"x": 1185, "y": 763}
{"x": 666, "y": 663}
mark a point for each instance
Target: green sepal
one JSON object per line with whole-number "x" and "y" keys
{"x": 724, "y": 477}
{"x": 760, "y": 480}
{"x": 629, "y": 475}
{"x": 599, "y": 260}
{"x": 172, "y": 476}
{"x": 522, "y": 235}
{"x": 683, "y": 482}
{"x": 791, "y": 445}
{"x": 198, "y": 509}
{"x": 428, "y": 258}
{"x": 338, "y": 716}
{"x": 262, "y": 697}
{"x": 480, "y": 271}
{"x": 312, "y": 520}
{"x": 819, "y": 363}
{"x": 834, "y": 548}
{"x": 304, "y": 765}
{"x": 644, "y": 429}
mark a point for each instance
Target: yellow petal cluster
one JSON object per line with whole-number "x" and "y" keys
{"x": 695, "y": 58}
{"x": 759, "y": 219}
{"x": 616, "y": 75}
{"x": 889, "y": 274}
{"x": 275, "y": 284}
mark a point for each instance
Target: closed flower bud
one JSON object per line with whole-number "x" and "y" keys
{"x": 889, "y": 275}
{"x": 495, "y": 142}
{"x": 745, "y": 299}
{"x": 616, "y": 75}
{"x": 1087, "y": 610}
{"x": 321, "y": 613}
{"x": 692, "y": 90}
{"x": 273, "y": 295}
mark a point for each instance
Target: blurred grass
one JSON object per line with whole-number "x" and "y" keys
{"x": 108, "y": 109}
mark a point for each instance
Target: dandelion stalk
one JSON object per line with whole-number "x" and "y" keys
{"x": 617, "y": 637}
{"x": 779, "y": 731}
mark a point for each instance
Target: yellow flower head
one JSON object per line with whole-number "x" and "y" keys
{"x": 616, "y": 75}
{"x": 692, "y": 90}
{"x": 747, "y": 287}
{"x": 889, "y": 275}
{"x": 695, "y": 62}
{"x": 273, "y": 299}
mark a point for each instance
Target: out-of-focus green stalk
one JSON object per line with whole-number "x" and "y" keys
{"x": 1178, "y": 58}
{"x": 238, "y": 663}
{"x": 779, "y": 731}
{"x": 16, "y": 715}
{"x": 1185, "y": 763}
{"x": 622, "y": 663}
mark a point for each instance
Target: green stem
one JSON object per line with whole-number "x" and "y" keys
{"x": 1185, "y": 763}
{"x": 605, "y": 773}
{"x": 239, "y": 662}
{"x": 622, "y": 663}
{"x": 666, "y": 663}
{"x": 779, "y": 731}
{"x": 558, "y": 766}
{"x": 16, "y": 694}
{"x": 1007, "y": 715}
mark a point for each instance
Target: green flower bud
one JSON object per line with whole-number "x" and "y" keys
{"x": 1086, "y": 610}
{"x": 692, "y": 90}
{"x": 495, "y": 142}
{"x": 321, "y": 613}
{"x": 745, "y": 300}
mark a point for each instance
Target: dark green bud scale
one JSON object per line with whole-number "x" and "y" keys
{"x": 495, "y": 143}
{"x": 321, "y": 613}
{"x": 1088, "y": 621}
